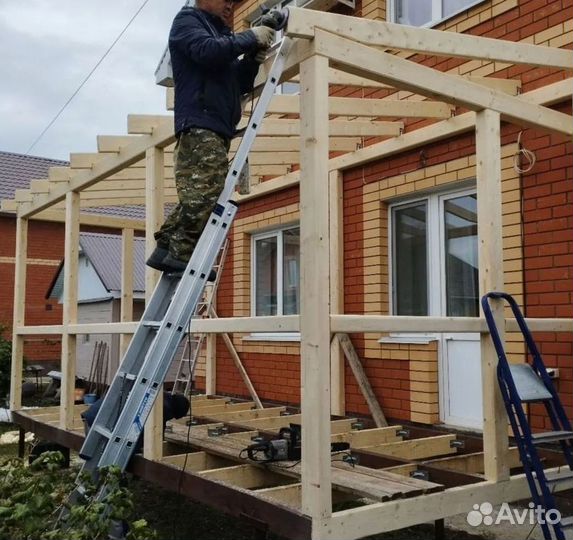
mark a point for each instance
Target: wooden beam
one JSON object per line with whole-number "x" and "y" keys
{"x": 246, "y": 476}
{"x": 253, "y": 414}
{"x": 391, "y": 515}
{"x": 114, "y": 143}
{"x": 147, "y": 124}
{"x": 399, "y": 323}
{"x": 337, "y": 375}
{"x": 315, "y": 290}
{"x": 491, "y": 278}
{"x": 196, "y": 461}
{"x": 126, "y": 306}
{"x": 303, "y": 22}
{"x": 70, "y": 309}
{"x": 238, "y": 364}
{"x": 292, "y": 144}
{"x": 369, "y": 437}
{"x": 361, "y": 59}
{"x": 553, "y": 93}
{"x": 105, "y": 167}
{"x": 338, "y": 128}
{"x": 154, "y": 204}
{"x": 362, "y": 380}
{"x": 345, "y": 106}
{"x": 416, "y": 448}
{"x": 19, "y": 313}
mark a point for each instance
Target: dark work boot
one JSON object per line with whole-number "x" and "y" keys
{"x": 156, "y": 258}
{"x": 172, "y": 264}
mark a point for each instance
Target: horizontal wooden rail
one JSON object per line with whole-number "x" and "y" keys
{"x": 339, "y": 323}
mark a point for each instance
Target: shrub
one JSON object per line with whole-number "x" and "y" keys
{"x": 31, "y": 498}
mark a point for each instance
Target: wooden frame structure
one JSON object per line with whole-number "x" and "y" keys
{"x": 136, "y": 169}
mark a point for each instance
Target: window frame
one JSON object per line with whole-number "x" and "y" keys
{"x": 278, "y": 234}
{"x": 435, "y": 271}
{"x": 436, "y": 5}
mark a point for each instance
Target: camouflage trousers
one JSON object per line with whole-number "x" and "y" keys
{"x": 200, "y": 167}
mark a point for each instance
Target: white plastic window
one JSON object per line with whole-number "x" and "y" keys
{"x": 427, "y": 12}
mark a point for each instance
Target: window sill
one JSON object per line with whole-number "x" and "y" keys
{"x": 270, "y": 336}
{"x": 413, "y": 339}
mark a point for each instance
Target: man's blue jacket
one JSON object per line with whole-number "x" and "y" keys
{"x": 209, "y": 78}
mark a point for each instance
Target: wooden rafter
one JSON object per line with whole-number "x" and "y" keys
{"x": 361, "y": 59}
{"x": 302, "y": 23}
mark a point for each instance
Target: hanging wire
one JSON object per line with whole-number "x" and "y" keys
{"x": 523, "y": 155}
{"x": 63, "y": 108}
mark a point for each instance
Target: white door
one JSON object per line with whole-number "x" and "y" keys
{"x": 459, "y": 363}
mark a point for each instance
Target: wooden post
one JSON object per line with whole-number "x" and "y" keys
{"x": 211, "y": 352}
{"x": 154, "y": 216}
{"x": 315, "y": 291}
{"x": 337, "y": 383}
{"x": 19, "y": 311}
{"x": 126, "y": 310}
{"x": 488, "y": 171}
{"x": 70, "y": 309}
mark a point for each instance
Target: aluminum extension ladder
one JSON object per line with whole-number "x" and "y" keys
{"x": 530, "y": 383}
{"x": 194, "y": 342}
{"x": 138, "y": 381}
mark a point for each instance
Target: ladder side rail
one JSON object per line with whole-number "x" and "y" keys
{"x": 159, "y": 357}
{"x": 256, "y": 119}
{"x": 193, "y": 361}
{"x": 520, "y": 440}
{"x": 123, "y": 381}
{"x": 554, "y": 409}
{"x": 539, "y": 488}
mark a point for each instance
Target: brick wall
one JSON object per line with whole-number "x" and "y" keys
{"x": 548, "y": 254}
{"x": 45, "y": 252}
{"x": 405, "y": 376}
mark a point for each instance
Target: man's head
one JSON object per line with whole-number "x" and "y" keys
{"x": 220, "y": 8}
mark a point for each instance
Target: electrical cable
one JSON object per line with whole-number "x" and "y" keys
{"x": 58, "y": 114}
{"x": 523, "y": 154}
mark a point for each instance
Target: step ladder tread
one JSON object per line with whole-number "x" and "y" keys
{"x": 559, "y": 476}
{"x": 529, "y": 385}
{"x": 551, "y": 436}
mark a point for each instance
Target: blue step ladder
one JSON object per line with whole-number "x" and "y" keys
{"x": 530, "y": 383}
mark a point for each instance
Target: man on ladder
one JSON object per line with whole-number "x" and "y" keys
{"x": 209, "y": 81}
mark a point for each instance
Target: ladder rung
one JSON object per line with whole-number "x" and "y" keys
{"x": 560, "y": 476}
{"x": 551, "y": 436}
{"x": 128, "y": 376}
{"x": 567, "y": 523}
{"x": 152, "y": 324}
{"x": 102, "y": 431}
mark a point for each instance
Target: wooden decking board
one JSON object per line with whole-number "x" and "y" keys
{"x": 379, "y": 485}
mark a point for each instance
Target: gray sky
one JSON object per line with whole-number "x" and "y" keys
{"x": 49, "y": 46}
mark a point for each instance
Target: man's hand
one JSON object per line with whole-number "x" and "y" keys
{"x": 265, "y": 36}
{"x": 260, "y": 56}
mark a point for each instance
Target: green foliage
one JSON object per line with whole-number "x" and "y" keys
{"x": 5, "y": 360}
{"x": 31, "y": 498}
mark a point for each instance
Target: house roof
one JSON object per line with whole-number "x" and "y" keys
{"x": 18, "y": 170}
{"x": 104, "y": 253}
